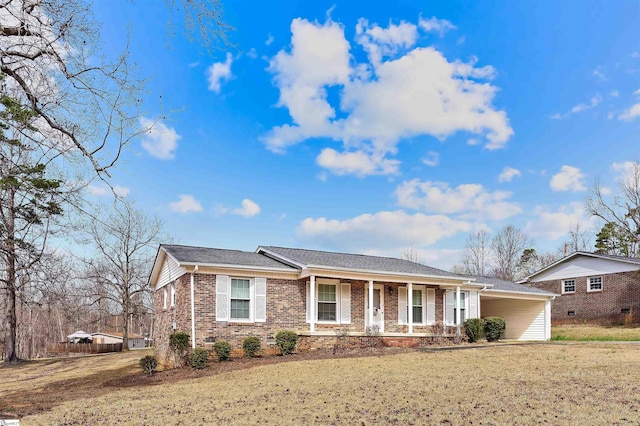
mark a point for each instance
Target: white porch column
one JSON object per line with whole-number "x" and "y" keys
{"x": 458, "y": 310}
{"x": 370, "y": 303}
{"x": 312, "y": 304}
{"x": 410, "y": 306}
{"x": 547, "y": 320}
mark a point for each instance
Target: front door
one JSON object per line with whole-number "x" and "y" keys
{"x": 378, "y": 306}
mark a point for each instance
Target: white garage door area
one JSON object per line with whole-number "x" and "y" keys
{"x": 525, "y": 319}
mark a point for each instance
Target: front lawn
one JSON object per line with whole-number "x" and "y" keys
{"x": 595, "y": 333}
{"x": 572, "y": 383}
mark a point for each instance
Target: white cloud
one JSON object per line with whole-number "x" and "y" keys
{"x": 103, "y": 190}
{"x": 185, "y": 204}
{"x": 248, "y": 209}
{"x": 379, "y": 42}
{"x": 159, "y": 140}
{"x": 635, "y": 55}
{"x": 555, "y": 224}
{"x": 252, "y": 53}
{"x": 593, "y": 102}
{"x": 626, "y": 172}
{"x": 219, "y": 72}
{"x": 269, "y": 40}
{"x": 389, "y": 229}
{"x": 597, "y": 73}
{"x": 436, "y": 25}
{"x": 432, "y": 159}
{"x": 193, "y": 64}
{"x": 630, "y": 113}
{"x": 357, "y": 163}
{"x": 569, "y": 178}
{"x": 508, "y": 173}
{"x": 467, "y": 200}
{"x": 383, "y": 101}
{"x": 614, "y": 93}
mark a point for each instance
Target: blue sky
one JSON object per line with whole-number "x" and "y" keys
{"x": 373, "y": 127}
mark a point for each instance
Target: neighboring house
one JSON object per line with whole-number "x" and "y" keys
{"x": 218, "y": 294}
{"x": 593, "y": 287}
{"x": 135, "y": 341}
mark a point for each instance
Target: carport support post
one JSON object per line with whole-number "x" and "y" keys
{"x": 312, "y": 304}
{"x": 410, "y": 306}
{"x": 458, "y": 310}
{"x": 371, "y": 304}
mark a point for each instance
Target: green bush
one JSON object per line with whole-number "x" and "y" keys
{"x": 494, "y": 328}
{"x": 474, "y": 327}
{"x": 222, "y": 349}
{"x": 179, "y": 341}
{"x": 149, "y": 364}
{"x": 286, "y": 341}
{"x": 251, "y": 346}
{"x": 198, "y": 358}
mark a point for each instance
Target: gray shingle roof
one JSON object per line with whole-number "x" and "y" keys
{"x": 502, "y": 285}
{"x": 204, "y": 255}
{"x": 356, "y": 261}
{"x": 611, "y": 256}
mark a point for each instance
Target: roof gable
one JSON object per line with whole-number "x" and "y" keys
{"x": 584, "y": 264}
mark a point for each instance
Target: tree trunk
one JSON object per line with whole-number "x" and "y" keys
{"x": 10, "y": 349}
{"x": 125, "y": 330}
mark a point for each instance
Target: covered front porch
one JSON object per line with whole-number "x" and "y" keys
{"x": 389, "y": 309}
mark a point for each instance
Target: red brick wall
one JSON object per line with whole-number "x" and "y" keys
{"x": 619, "y": 291}
{"x": 286, "y": 310}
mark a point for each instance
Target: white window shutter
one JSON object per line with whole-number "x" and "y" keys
{"x": 261, "y": 299}
{"x": 345, "y": 304}
{"x": 473, "y": 304}
{"x": 448, "y": 308}
{"x": 222, "y": 297}
{"x": 402, "y": 305}
{"x": 308, "y": 301}
{"x": 431, "y": 306}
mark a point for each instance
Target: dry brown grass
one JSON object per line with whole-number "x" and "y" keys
{"x": 589, "y": 383}
{"x": 595, "y": 333}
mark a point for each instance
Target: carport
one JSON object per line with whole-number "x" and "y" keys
{"x": 526, "y": 310}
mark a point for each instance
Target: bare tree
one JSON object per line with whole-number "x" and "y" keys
{"x": 88, "y": 104}
{"x": 508, "y": 246}
{"x": 412, "y": 255}
{"x": 621, "y": 210}
{"x": 476, "y": 258}
{"x": 580, "y": 239}
{"x": 125, "y": 241}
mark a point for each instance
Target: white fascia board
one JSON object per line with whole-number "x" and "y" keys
{"x": 280, "y": 257}
{"x": 154, "y": 272}
{"x": 465, "y": 281}
{"x": 572, "y": 255}
{"x": 232, "y": 266}
{"x": 519, "y": 294}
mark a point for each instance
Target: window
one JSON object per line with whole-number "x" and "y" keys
{"x": 240, "y": 299}
{"x": 165, "y": 298}
{"x": 173, "y": 295}
{"x": 595, "y": 284}
{"x": 327, "y": 302}
{"x": 569, "y": 286}
{"x": 463, "y": 305}
{"x": 417, "y": 306}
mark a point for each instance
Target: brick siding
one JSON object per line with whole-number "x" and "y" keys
{"x": 619, "y": 291}
{"x": 286, "y": 310}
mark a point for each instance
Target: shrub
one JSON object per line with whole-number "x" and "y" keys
{"x": 494, "y": 328}
{"x": 149, "y": 364}
{"x": 179, "y": 341}
{"x": 474, "y": 327}
{"x": 198, "y": 358}
{"x": 251, "y": 346}
{"x": 286, "y": 341}
{"x": 222, "y": 348}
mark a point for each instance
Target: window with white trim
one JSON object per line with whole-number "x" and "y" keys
{"x": 173, "y": 295}
{"x": 594, "y": 284}
{"x": 240, "y": 298}
{"x": 463, "y": 307}
{"x": 327, "y": 302}
{"x": 568, "y": 286}
{"x": 165, "y": 298}
{"x": 417, "y": 306}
